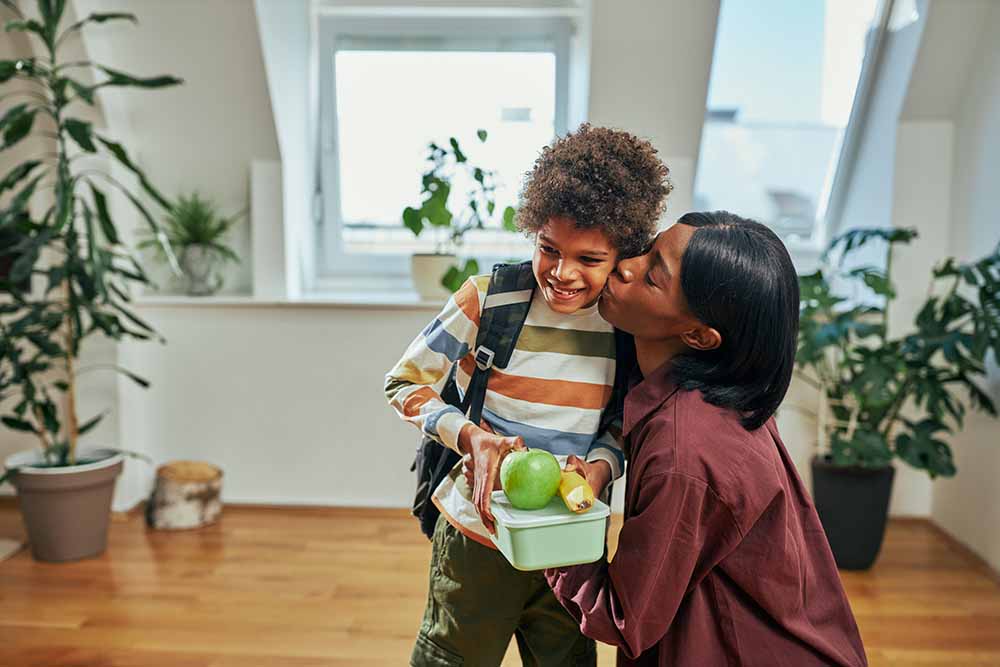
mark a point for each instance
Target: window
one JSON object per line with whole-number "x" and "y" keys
{"x": 784, "y": 89}
{"x": 391, "y": 85}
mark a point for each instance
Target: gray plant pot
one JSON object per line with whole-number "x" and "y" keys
{"x": 66, "y": 510}
{"x": 198, "y": 263}
{"x": 853, "y": 506}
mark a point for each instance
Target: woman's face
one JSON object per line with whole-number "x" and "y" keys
{"x": 571, "y": 264}
{"x": 644, "y": 296}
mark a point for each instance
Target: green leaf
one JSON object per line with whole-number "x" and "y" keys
{"x": 509, "y": 214}
{"x": 876, "y": 280}
{"x": 413, "y": 220}
{"x": 18, "y": 424}
{"x": 134, "y": 318}
{"x": 51, "y": 11}
{"x": 82, "y": 134}
{"x": 459, "y": 155}
{"x": 16, "y": 126}
{"x": 23, "y": 266}
{"x": 123, "y": 79}
{"x": 867, "y": 448}
{"x": 11, "y": 68}
{"x": 17, "y": 174}
{"x": 856, "y": 238}
{"x": 120, "y": 154}
{"x": 26, "y": 26}
{"x": 455, "y": 276}
{"x": 64, "y": 204}
{"x": 87, "y": 426}
{"x": 481, "y": 134}
{"x": 107, "y": 226}
{"x": 85, "y": 93}
{"x": 923, "y": 451}
{"x": 100, "y": 18}
{"x": 141, "y": 381}
{"x": 45, "y": 345}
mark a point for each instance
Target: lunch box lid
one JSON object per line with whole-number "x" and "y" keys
{"x": 555, "y": 513}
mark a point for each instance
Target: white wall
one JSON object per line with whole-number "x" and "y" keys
{"x": 203, "y": 134}
{"x": 650, "y": 64}
{"x": 968, "y": 506}
{"x": 284, "y": 28}
{"x": 286, "y": 399}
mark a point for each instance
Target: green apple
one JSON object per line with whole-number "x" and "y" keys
{"x": 530, "y": 478}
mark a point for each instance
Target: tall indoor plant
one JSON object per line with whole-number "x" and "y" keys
{"x": 448, "y": 165}
{"x": 886, "y": 396}
{"x": 69, "y": 279}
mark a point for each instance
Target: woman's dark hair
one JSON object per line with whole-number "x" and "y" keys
{"x": 737, "y": 277}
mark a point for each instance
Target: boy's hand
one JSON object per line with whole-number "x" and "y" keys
{"x": 597, "y": 473}
{"x": 485, "y": 452}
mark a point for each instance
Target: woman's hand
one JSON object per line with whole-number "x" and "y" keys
{"x": 597, "y": 473}
{"x": 484, "y": 452}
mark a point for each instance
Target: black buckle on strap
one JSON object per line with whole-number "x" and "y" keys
{"x": 484, "y": 358}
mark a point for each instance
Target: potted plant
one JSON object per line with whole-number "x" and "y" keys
{"x": 449, "y": 167}
{"x": 886, "y": 396}
{"x": 195, "y": 231}
{"x": 82, "y": 276}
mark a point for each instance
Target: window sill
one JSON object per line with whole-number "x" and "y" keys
{"x": 325, "y": 299}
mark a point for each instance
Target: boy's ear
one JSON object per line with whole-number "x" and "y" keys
{"x": 702, "y": 338}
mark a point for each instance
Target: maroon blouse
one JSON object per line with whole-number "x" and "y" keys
{"x": 722, "y": 559}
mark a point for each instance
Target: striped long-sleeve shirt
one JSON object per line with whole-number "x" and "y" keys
{"x": 551, "y": 393}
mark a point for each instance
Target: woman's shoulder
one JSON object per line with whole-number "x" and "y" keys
{"x": 708, "y": 443}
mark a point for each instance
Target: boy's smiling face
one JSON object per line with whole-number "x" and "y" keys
{"x": 571, "y": 264}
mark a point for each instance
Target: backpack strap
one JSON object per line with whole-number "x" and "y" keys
{"x": 505, "y": 309}
{"x": 625, "y": 362}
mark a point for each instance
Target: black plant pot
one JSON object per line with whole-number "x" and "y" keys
{"x": 853, "y": 505}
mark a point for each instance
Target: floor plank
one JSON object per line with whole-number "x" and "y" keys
{"x": 327, "y": 587}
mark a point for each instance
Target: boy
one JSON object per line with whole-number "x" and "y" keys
{"x": 593, "y": 197}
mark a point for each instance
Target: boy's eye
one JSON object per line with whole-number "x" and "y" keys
{"x": 649, "y": 279}
{"x": 547, "y": 249}
{"x": 591, "y": 260}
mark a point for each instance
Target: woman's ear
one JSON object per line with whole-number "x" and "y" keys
{"x": 702, "y": 338}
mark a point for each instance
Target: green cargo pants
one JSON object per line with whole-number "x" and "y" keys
{"x": 476, "y": 601}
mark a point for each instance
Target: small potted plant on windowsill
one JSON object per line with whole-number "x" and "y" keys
{"x": 436, "y": 275}
{"x": 196, "y": 230}
{"x": 882, "y": 397}
{"x": 82, "y": 274}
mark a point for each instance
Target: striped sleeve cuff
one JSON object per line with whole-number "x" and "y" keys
{"x": 614, "y": 457}
{"x": 448, "y": 426}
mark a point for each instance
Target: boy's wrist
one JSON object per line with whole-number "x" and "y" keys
{"x": 464, "y": 441}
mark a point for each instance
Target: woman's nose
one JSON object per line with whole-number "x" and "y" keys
{"x": 627, "y": 269}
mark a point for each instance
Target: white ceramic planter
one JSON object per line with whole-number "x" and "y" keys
{"x": 427, "y": 271}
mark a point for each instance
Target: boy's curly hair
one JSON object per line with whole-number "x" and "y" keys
{"x": 600, "y": 178}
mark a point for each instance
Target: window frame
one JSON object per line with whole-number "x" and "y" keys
{"x": 466, "y": 31}
{"x": 806, "y": 254}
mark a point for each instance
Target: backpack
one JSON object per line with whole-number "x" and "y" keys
{"x": 505, "y": 308}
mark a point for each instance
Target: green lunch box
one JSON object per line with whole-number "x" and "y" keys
{"x": 548, "y": 537}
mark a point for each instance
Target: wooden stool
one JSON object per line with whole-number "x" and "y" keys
{"x": 187, "y": 494}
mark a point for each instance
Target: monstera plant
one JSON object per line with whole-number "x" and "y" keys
{"x": 885, "y": 396}
{"x": 69, "y": 275}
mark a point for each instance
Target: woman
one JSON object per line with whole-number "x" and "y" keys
{"x": 721, "y": 559}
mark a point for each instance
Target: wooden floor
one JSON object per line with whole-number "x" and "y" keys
{"x": 339, "y": 587}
